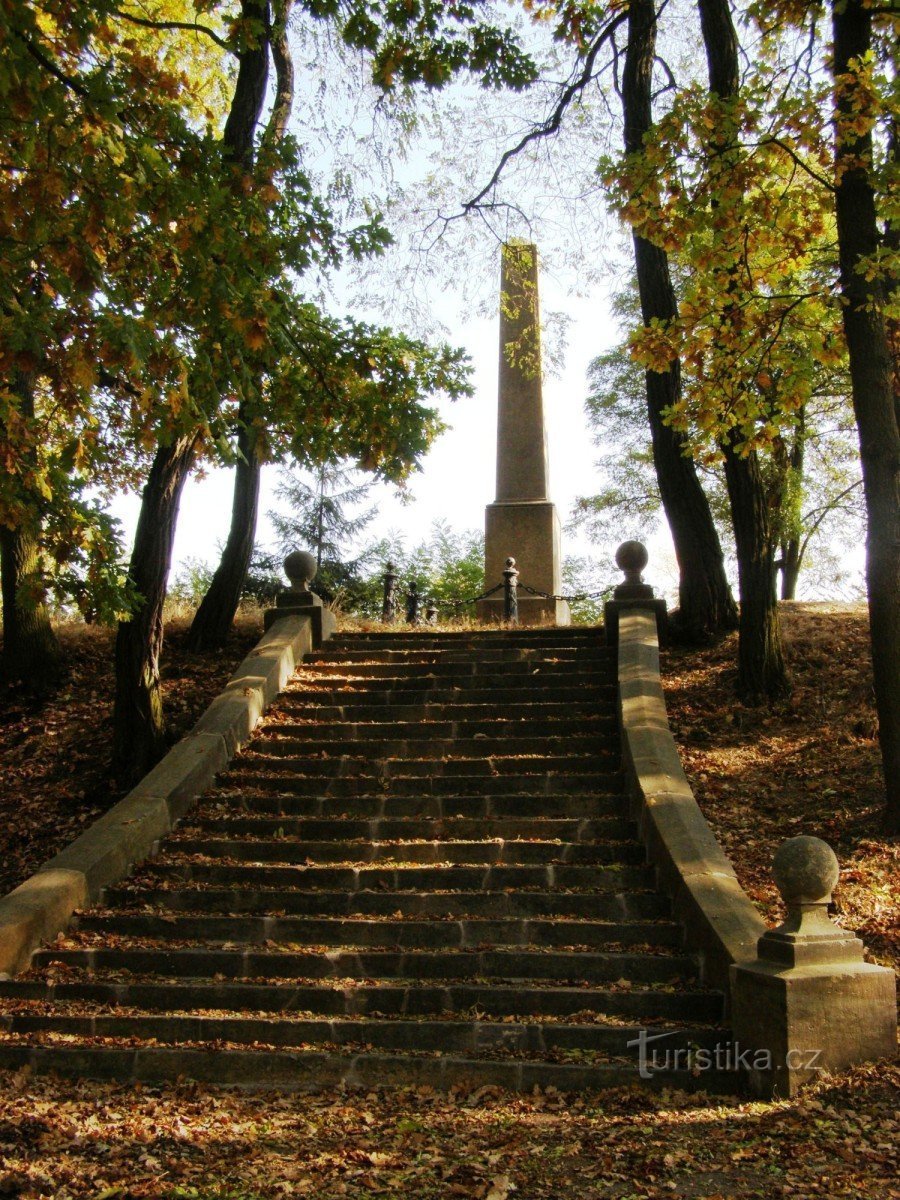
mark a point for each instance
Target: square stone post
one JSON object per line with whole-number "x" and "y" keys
{"x": 522, "y": 523}
{"x": 808, "y": 1002}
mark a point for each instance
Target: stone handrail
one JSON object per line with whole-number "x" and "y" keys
{"x": 43, "y": 905}
{"x": 721, "y": 924}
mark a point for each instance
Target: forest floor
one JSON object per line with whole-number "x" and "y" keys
{"x": 809, "y": 764}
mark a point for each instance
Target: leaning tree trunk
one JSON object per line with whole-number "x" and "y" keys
{"x": 706, "y": 605}
{"x": 761, "y": 665}
{"x": 216, "y": 612}
{"x": 31, "y": 654}
{"x": 138, "y": 730}
{"x": 213, "y": 619}
{"x": 872, "y": 376}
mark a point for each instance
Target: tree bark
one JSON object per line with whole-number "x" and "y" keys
{"x": 761, "y": 666}
{"x": 761, "y": 669}
{"x": 138, "y": 729}
{"x": 213, "y": 619}
{"x": 872, "y": 374}
{"x": 706, "y": 606}
{"x": 31, "y": 654}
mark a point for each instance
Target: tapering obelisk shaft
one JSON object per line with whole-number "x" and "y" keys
{"x": 522, "y": 522}
{"x": 522, "y": 468}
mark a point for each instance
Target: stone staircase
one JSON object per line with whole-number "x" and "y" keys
{"x": 419, "y": 871}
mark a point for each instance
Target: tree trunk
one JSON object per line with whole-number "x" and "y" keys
{"x": 761, "y": 667}
{"x": 215, "y": 615}
{"x": 871, "y": 375}
{"x": 789, "y": 566}
{"x": 138, "y": 730}
{"x": 706, "y": 606}
{"x": 213, "y": 619}
{"x": 31, "y": 654}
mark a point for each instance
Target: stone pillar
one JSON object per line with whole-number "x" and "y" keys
{"x": 522, "y": 522}
{"x": 631, "y": 558}
{"x": 808, "y": 1002}
{"x": 300, "y": 568}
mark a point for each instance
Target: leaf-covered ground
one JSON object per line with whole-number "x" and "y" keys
{"x": 55, "y": 776}
{"x": 809, "y": 765}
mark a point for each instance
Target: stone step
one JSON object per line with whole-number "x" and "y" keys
{"x": 589, "y": 804}
{"x": 599, "y": 906}
{"x": 417, "y": 692}
{"x": 405, "y": 828}
{"x": 392, "y": 931}
{"x": 316, "y": 709}
{"x": 448, "y": 1036}
{"x": 317, "y": 731}
{"x": 536, "y": 655}
{"x": 470, "y": 640}
{"x": 316, "y": 1070}
{"x": 365, "y": 851}
{"x": 370, "y": 771}
{"x": 464, "y": 671}
{"x": 249, "y": 779}
{"x": 688, "y": 1004}
{"x": 414, "y": 877}
{"x": 203, "y": 962}
{"x": 284, "y": 742}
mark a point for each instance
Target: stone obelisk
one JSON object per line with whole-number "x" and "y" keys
{"x": 522, "y": 522}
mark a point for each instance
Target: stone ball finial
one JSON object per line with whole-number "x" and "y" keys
{"x": 510, "y": 562}
{"x": 631, "y": 558}
{"x": 805, "y": 870}
{"x": 300, "y": 568}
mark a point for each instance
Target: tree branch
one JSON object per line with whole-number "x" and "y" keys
{"x": 189, "y": 26}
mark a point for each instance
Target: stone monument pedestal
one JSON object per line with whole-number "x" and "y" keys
{"x": 528, "y": 530}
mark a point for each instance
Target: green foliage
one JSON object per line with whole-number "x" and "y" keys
{"x": 448, "y": 566}
{"x": 323, "y": 516}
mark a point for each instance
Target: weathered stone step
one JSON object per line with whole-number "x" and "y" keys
{"x": 586, "y": 655}
{"x": 406, "y": 828}
{"x": 316, "y": 1070}
{"x": 364, "y": 767}
{"x": 414, "y": 877}
{"x": 448, "y": 1036}
{"x": 355, "y": 786}
{"x": 588, "y": 804}
{"x": 493, "y": 700}
{"x": 393, "y": 931}
{"x": 283, "y": 742}
{"x": 315, "y": 709}
{"x": 201, "y": 962}
{"x": 469, "y": 640}
{"x": 465, "y": 672}
{"x": 688, "y": 1004}
{"x": 600, "y": 906}
{"x": 409, "y": 731}
{"x": 363, "y": 851}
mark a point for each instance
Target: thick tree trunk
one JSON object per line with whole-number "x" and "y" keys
{"x": 706, "y": 606}
{"x": 210, "y": 626}
{"x": 31, "y": 654}
{"x": 138, "y": 730}
{"x": 872, "y": 375}
{"x": 761, "y": 667}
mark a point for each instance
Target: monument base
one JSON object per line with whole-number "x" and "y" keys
{"x": 533, "y": 610}
{"x": 528, "y": 531}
